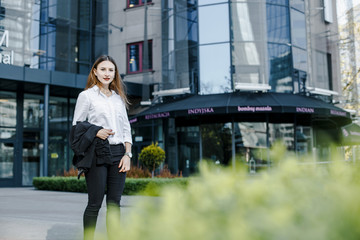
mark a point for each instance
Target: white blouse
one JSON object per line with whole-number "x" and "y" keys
{"x": 108, "y": 112}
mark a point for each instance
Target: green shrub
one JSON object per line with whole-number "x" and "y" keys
{"x": 69, "y": 184}
{"x": 291, "y": 201}
{"x": 152, "y": 156}
{"x": 144, "y": 186}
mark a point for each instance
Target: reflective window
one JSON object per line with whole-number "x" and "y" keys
{"x": 214, "y": 24}
{"x": 58, "y": 113}
{"x": 280, "y": 68}
{"x": 136, "y": 59}
{"x": 7, "y": 109}
{"x": 216, "y": 142}
{"x": 304, "y": 141}
{"x": 282, "y": 2}
{"x": 33, "y": 111}
{"x": 298, "y": 29}
{"x": 6, "y": 160}
{"x": 57, "y": 153}
{"x": 248, "y": 43}
{"x": 188, "y": 150}
{"x": 206, "y": 2}
{"x": 31, "y": 162}
{"x": 321, "y": 71}
{"x": 215, "y": 74}
{"x": 298, "y": 4}
{"x": 250, "y": 145}
{"x": 278, "y": 24}
{"x": 299, "y": 59}
{"x": 136, "y": 3}
{"x": 283, "y": 132}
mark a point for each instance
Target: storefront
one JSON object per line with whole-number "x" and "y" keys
{"x": 238, "y": 127}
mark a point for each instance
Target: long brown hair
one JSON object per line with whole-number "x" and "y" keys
{"x": 117, "y": 84}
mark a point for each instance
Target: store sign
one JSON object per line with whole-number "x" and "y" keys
{"x": 254, "y": 109}
{"x": 5, "y": 57}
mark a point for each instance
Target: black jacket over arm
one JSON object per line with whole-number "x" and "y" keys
{"x": 87, "y": 147}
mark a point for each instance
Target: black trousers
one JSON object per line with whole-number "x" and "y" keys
{"x": 98, "y": 180}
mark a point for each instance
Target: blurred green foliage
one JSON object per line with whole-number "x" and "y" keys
{"x": 141, "y": 186}
{"x": 289, "y": 201}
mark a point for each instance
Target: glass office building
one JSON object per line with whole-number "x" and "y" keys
{"x": 237, "y": 76}
{"x": 46, "y": 50}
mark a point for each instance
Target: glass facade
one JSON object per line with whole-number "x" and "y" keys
{"x": 47, "y": 45}
{"x": 212, "y": 46}
{"x": 248, "y": 42}
{"x": 54, "y": 35}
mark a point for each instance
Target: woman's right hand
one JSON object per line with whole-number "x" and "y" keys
{"x": 104, "y": 133}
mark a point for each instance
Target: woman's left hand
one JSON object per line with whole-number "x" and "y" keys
{"x": 124, "y": 164}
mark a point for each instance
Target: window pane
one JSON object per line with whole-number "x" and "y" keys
{"x": 33, "y": 111}
{"x": 134, "y": 58}
{"x": 282, "y": 2}
{"x": 298, "y": 33}
{"x": 283, "y": 132}
{"x": 58, "y": 113}
{"x": 322, "y": 74}
{"x": 7, "y": 109}
{"x": 278, "y": 27}
{"x": 280, "y": 68}
{"x": 298, "y": 4}
{"x": 250, "y": 145}
{"x": 6, "y": 160}
{"x": 216, "y": 142}
{"x": 58, "y": 150}
{"x": 214, "y": 24}
{"x": 215, "y": 57}
{"x": 300, "y": 59}
{"x": 31, "y": 162}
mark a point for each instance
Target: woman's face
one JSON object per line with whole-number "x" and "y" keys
{"x": 105, "y": 72}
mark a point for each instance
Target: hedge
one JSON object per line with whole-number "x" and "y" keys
{"x": 141, "y": 186}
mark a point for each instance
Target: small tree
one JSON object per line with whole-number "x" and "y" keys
{"x": 152, "y": 156}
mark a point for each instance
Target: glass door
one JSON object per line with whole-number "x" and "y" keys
{"x": 7, "y": 137}
{"x": 33, "y": 116}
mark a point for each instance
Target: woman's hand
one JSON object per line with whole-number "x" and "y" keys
{"x": 124, "y": 164}
{"x": 104, "y": 133}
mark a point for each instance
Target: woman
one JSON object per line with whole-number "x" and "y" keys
{"x": 103, "y": 104}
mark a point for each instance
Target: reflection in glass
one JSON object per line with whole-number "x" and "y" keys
{"x": 214, "y": 24}
{"x": 303, "y": 140}
{"x": 134, "y": 58}
{"x": 278, "y": 24}
{"x": 283, "y": 132}
{"x": 298, "y": 29}
{"x": 216, "y": 142}
{"x": 299, "y": 59}
{"x": 7, "y": 109}
{"x": 321, "y": 70}
{"x": 298, "y": 4}
{"x": 215, "y": 74}
{"x": 58, "y": 151}
{"x": 58, "y": 113}
{"x": 249, "y": 34}
{"x": 6, "y": 160}
{"x": 280, "y": 68}
{"x": 7, "y": 133}
{"x": 250, "y": 145}
{"x": 31, "y": 162}
{"x": 206, "y": 2}
{"x": 188, "y": 149}
{"x": 282, "y": 2}
{"x": 33, "y": 110}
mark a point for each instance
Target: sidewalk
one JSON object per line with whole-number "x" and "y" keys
{"x": 29, "y": 214}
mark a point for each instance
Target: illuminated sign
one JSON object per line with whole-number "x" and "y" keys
{"x": 5, "y": 57}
